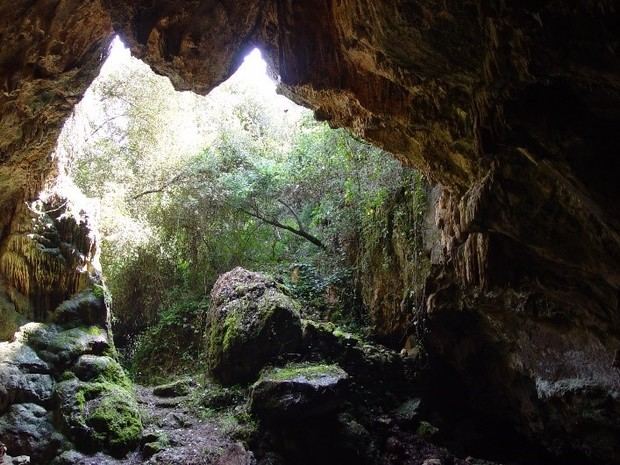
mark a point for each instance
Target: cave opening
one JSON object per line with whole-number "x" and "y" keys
{"x": 511, "y": 108}
{"x": 185, "y": 188}
{"x": 187, "y": 194}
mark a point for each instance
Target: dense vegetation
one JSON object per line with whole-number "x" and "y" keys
{"x": 190, "y": 187}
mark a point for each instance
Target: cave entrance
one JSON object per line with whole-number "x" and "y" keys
{"x": 188, "y": 187}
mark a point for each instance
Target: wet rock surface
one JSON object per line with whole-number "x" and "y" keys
{"x": 27, "y": 429}
{"x": 57, "y": 388}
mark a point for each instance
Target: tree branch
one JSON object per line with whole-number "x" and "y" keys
{"x": 160, "y": 189}
{"x": 273, "y": 222}
{"x": 290, "y": 209}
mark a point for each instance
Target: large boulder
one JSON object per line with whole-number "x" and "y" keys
{"x": 27, "y": 429}
{"x": 99, "y": 415}
{"x": 298, "y": 391}
{"x": 251, "y": 321}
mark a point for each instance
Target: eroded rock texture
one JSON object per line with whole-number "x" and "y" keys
{"x": 512, "y": 107}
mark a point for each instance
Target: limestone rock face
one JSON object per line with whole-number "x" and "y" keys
{"x": 512, "y": 107}
{"x": 51, "y": 51}
{"x": 251, "y": 321}
{"x": 48, "y": 254}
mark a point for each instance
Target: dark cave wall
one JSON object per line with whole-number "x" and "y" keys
{"x": 51, "y": 51}
{"x": 512, "y": 107}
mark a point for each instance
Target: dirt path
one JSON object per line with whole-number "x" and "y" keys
{"x": 185, "y": 439}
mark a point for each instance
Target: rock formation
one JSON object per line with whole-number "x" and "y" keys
{"x": 251, "y": 322}
{"x": 512, "y": 107}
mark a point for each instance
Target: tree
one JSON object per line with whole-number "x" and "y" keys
{"x": 190, "y": 187}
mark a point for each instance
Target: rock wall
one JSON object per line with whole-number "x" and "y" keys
{"x": 47, "y": 255}
{"x": 512, "y": 107}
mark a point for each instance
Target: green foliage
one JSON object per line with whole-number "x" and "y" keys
{"x": 172, "y": 345}
{"x": 191, "y": 187}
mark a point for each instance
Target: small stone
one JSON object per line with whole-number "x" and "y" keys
{"x": 177, "y": 388}
{"x": 175, "y": 420}
{"x": 432, "y": 461}
{"x": 426, "y": 430}
{"x": 151, "y": 448}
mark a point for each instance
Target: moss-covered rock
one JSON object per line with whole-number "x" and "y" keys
{"x": 251, "y": 321}
{"x": 62, "y": 347}
{"x": 101, "y": 368}
{"x": 380, "y": 372}
{"x": 298, "y": 391}
{"x": 101, "y": 412}
{"x": 99, "y": 415}
{"x": 154, "y": 442}
{"x": 178, "y": 388}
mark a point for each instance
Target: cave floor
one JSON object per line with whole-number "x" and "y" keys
{"x": 189, "y": 440}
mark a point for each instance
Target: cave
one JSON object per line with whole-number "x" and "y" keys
{"x": 510, "y": 109}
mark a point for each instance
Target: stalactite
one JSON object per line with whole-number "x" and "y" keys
{"x": 46, "y": 256}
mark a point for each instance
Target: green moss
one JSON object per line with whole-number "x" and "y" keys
{"x": 308, "y": 371}
{"x": 232, "y": 329}
{"x": 151, "y": 448}
{"x": 116, "y": 420}
{"x": 113, "y": 373}
{"x": 426, "y": 430}
{"x": 101, "y": 414}
{"x": 111, "y": 412}
{"x": 67, "y": 375}
{"x": 94, "y": 331}
{"x": 74, "y": 340}
{"x": 99, "y": 291}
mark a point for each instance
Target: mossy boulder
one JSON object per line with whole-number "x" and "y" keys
{"x": 298, "y": 391}
{"x": 100, "y": 413}
{"x": 251, "y": 321}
